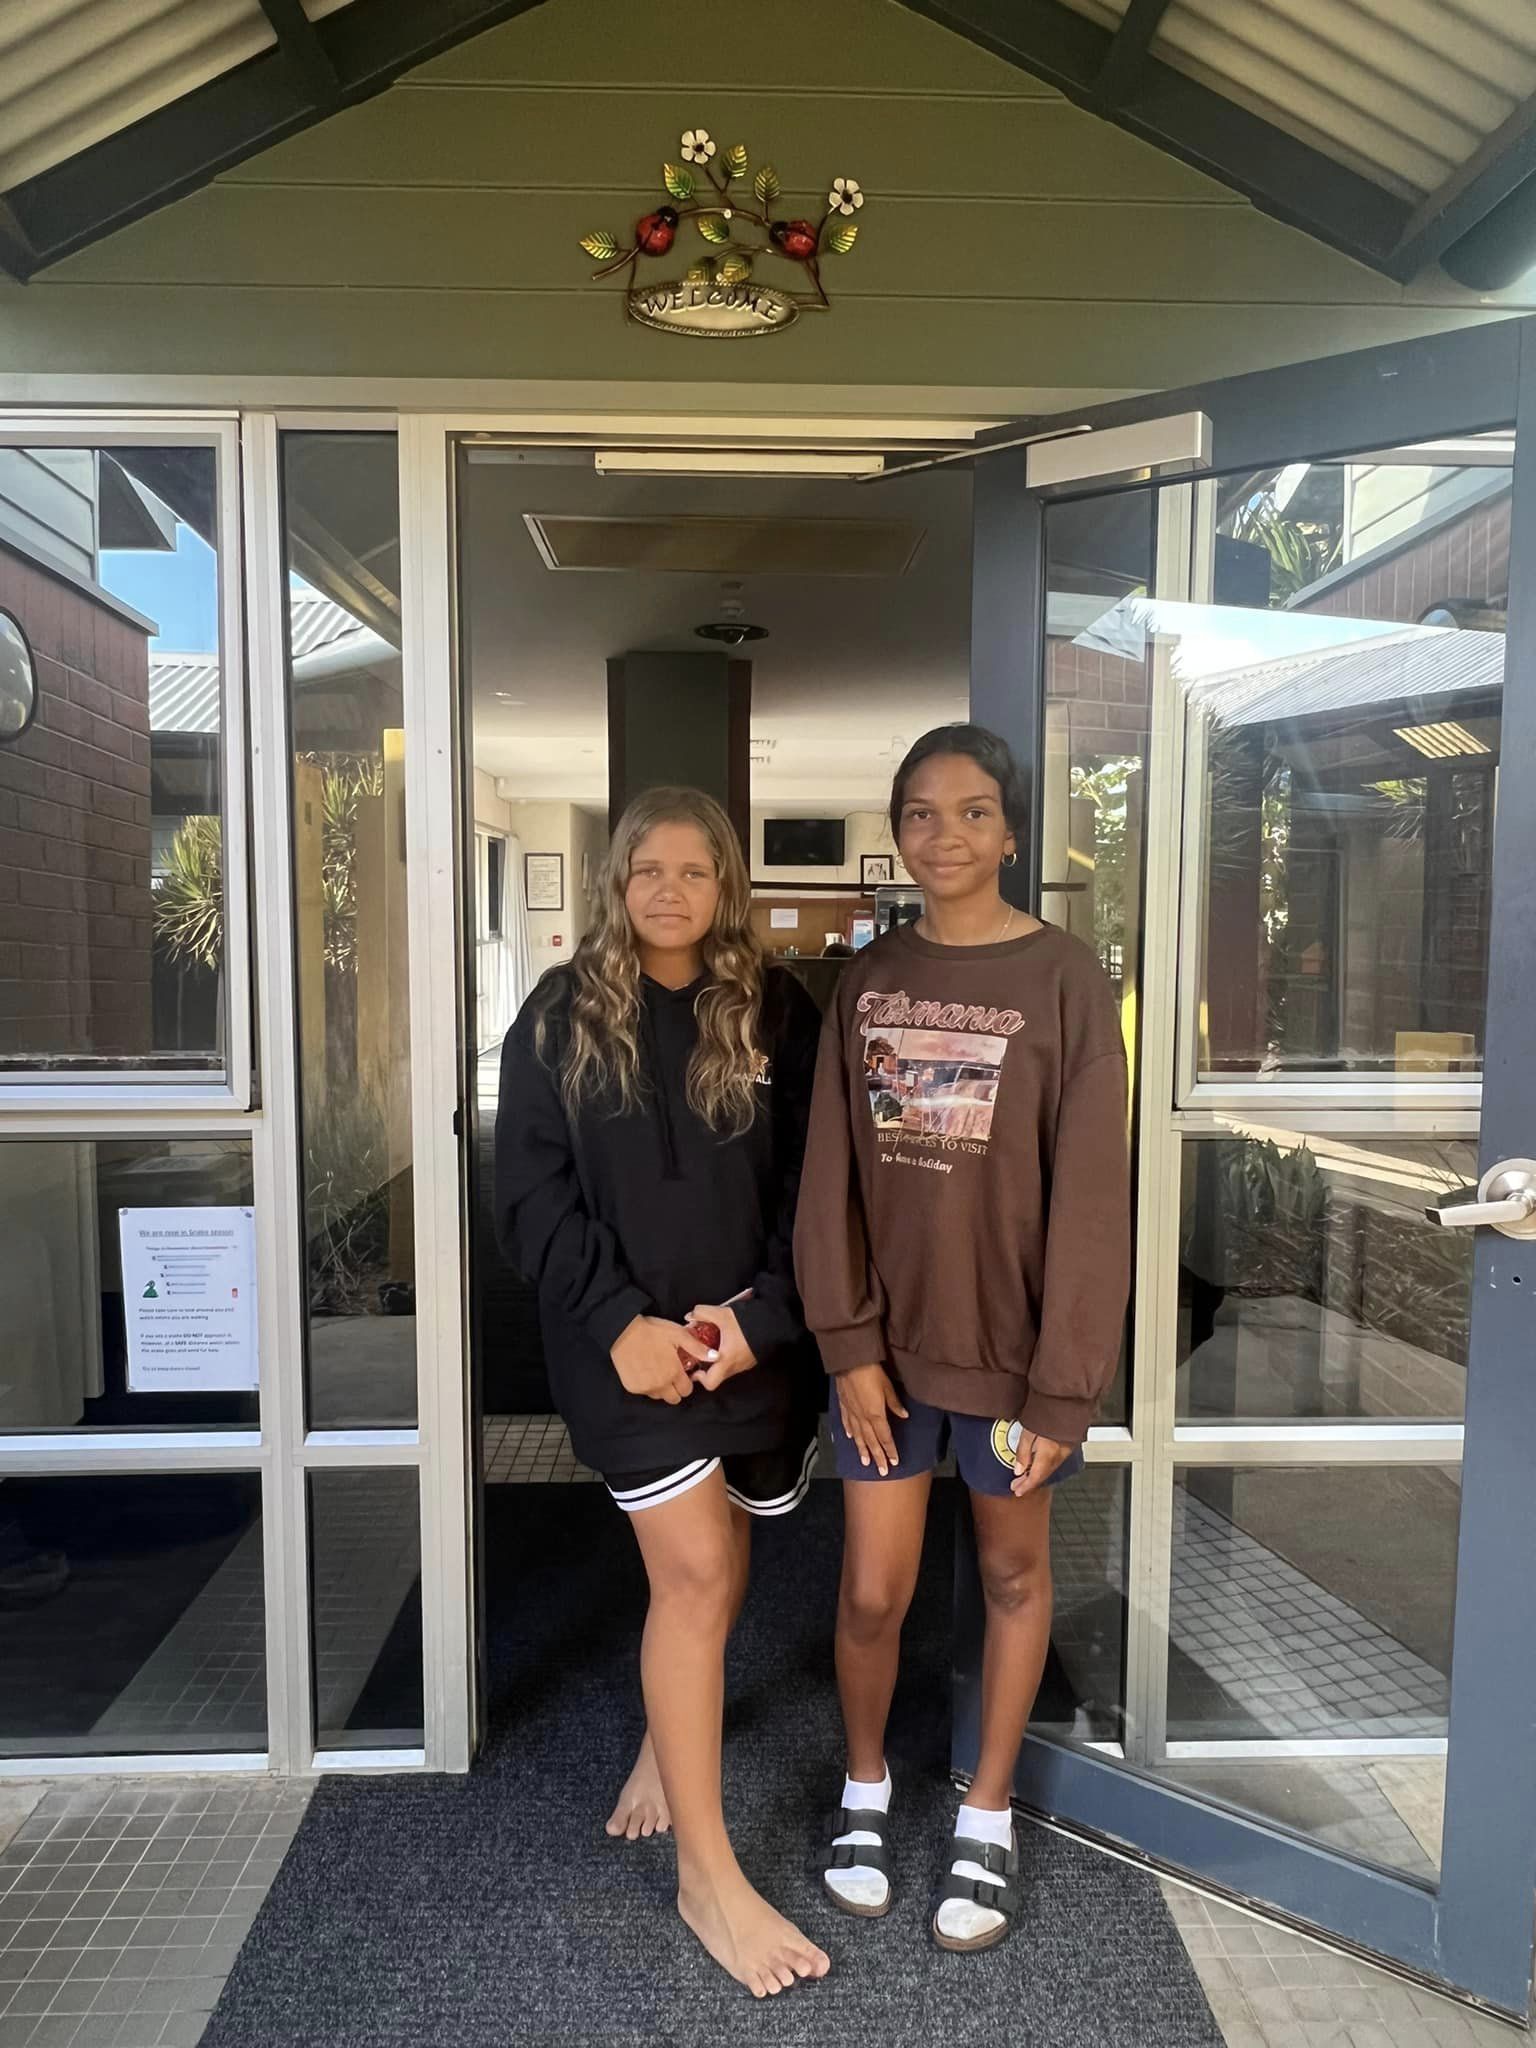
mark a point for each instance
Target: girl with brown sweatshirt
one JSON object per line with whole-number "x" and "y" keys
{"x": 963, "y": 1254}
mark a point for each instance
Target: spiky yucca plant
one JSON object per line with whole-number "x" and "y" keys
{"x": 189, "y": 899}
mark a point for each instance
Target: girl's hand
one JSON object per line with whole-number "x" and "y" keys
{"x": 645, "y": 1359}
{"x": 1034, "y": 1461}
{"x": 735, "y": 1353}
{"x": 868, "y": 1400}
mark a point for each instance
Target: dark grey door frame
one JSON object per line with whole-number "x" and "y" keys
{"x": 1474, "y": 1931}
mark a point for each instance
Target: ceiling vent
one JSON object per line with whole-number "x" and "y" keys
{"x": 725, "y": 547}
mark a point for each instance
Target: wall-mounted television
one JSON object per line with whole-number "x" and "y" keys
{"x": 803, "y": 842}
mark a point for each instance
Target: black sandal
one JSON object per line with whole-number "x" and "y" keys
{"x": 874, "y": 1855}
{"x": 1001, "y": 1894}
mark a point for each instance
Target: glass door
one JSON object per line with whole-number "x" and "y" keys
{"x": 1275, "y": 649}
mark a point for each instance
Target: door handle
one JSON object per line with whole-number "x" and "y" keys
{"x": 1506, "y": 1200}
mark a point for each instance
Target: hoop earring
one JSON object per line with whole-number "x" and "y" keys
{"x": 1010, "y": 860}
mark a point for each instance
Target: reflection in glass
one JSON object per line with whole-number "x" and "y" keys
{"x": 112, "y": 907}
{"x": 63, "y": 1361}
{"x": 365, "y": 1578}
{"x": 1082, "y": 1693}
{"x": 1310, "y": 1604}
{"x": 342, "y": 537}
{"x": 1311, "y": 1285}
{"x": 1346, "y": 692}
{"x": 132, "y": 1618}
{"x": 1099, "y": 556}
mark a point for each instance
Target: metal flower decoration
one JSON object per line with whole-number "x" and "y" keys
{"x": 741, "y": 217}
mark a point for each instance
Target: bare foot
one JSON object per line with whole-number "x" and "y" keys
{"x": 749, "y": 1940}
{"x": 642, "y": 1805}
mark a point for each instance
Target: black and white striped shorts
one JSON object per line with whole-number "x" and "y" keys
{"x": 761, "y": 1482}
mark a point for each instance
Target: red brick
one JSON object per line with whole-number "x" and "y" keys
{"x": 113, "y": 803}
{"x": 48, "y": 892}
{"x": 64, "y": 857}
{"x": 85, "y": 690}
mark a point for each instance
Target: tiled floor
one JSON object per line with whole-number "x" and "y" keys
{"x": 122, "y": 1906}
{"x": 1270, "y": 1988}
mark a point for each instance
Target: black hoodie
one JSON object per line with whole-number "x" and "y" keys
{"x": 615, "y": 1214}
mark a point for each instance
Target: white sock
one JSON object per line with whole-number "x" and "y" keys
{"x": 962, "y": 1919}
{"x": 860, "y": 1885}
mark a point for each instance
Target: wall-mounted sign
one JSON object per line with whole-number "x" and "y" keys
{"x": 189, "y": 1299}
{"x": 743, "y": 221}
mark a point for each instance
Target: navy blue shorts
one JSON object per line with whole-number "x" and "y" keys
{"x": 983, "y": 1450}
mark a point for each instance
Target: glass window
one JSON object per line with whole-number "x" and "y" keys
{"x": 1345, "y": 691}
{"x": 342, "y": 538}
{"x": 112, "y": 913}
{"x": 1311, "y": 1286}
{"x": 132, "y": 1617}
{"x": 1099, "y": 560}
{"x": 1082, "y": 1693}
{"x": 65, "y": 1362}
{"x": 1314, "y": 1604}
{"x": 365, "y": 1575}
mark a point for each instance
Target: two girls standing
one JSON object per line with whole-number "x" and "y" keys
{"x": 962, "y": 1257}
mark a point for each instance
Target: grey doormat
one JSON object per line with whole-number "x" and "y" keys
{"x": 493, "y": 1909}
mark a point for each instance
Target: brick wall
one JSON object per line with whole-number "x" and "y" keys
{"x": 75, "y": 913}
{"x": 1467, "y": 558}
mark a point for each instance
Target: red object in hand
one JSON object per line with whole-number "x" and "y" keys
{"x": 796, "y": 238}
{"x": 707, "y": 1333}
{"x": 654, "y": 234}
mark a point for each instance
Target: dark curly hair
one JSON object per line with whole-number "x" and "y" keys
{"x": 990, "y": 753}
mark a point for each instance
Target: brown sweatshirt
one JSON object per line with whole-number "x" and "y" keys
{"x": 964, "y": 1209}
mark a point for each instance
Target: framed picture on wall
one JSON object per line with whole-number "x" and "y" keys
{"x": 544, "y": 880}
{"x": 875, "y": 869}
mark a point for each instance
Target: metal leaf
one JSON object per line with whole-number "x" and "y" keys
{"x": 679, "y": 182}
{"x": 843, "y": 237}
{"x": 736, "y": 160}
{"x": 766, "y": 184}
{"x": 712, "y": 227}
{"x": 600, "y": 246}
{"x": 736, "y": 268}
{"x": 698, "y": 273}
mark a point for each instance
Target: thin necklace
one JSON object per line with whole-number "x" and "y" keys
{"x": 1003, "y": 930}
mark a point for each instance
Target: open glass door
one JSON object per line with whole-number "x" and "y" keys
{"x": 1272, "y": 644}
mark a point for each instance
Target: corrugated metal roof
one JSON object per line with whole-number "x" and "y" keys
{"x": 315, "y": 621}
{"x": 73, "y": 72}
{"x": 1403, "y": 91}
{"x": 184, "y": 688}
{"x": 183, "y": 693}
{"x": 1397, "y": 671}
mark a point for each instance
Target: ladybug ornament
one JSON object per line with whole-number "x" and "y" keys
{"x": 796, "y": 239}
{"x": 655, "y": 234}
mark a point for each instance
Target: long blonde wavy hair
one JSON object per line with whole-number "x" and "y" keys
{"x": 602, "y": 1050}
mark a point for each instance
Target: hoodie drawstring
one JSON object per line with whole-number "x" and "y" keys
{"x": 661, "y": 1101}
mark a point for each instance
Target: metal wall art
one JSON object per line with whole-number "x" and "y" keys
{"x": 737, "y": 215}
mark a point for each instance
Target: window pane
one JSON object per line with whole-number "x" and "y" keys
{"x": 342, "y": 529}
{"x": 365, "y": 1573}
{"x": 1345, "y": 691}
{"x": 65, "y": 1362}
{"x": 1311, "y": 1285}
{"x": 1083, "y": 1691}
{"x": 111, "y": 805}
{"x": 1099, "y": 555}
{"x": 132, "y": 1618}
{"x": 1316, "y": 1604}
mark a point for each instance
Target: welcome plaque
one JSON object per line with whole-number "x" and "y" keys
{"x": 741, "y": 219}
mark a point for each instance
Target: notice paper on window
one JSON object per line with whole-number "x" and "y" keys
{"x": 189, "y": 1299}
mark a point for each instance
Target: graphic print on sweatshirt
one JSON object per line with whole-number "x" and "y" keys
{"x": 932, "y": 1071}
